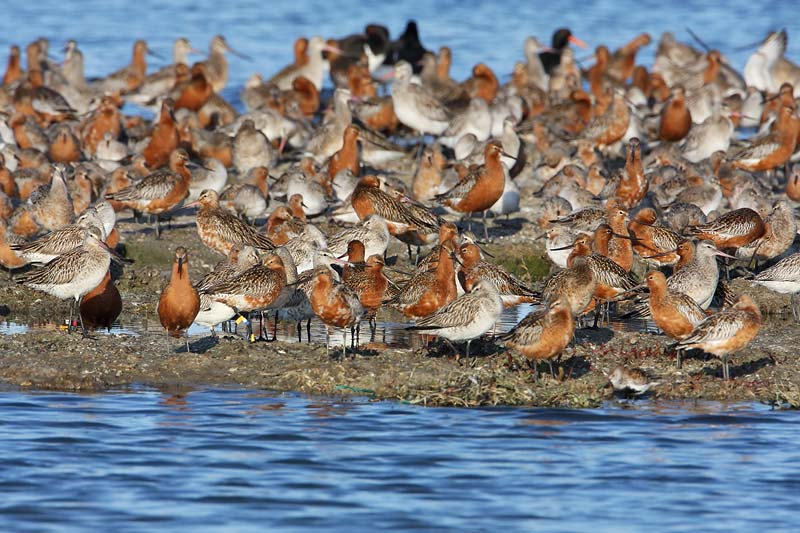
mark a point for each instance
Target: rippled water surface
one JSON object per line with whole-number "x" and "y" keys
{"x": 215, "y": 460}
{"x": 210, "y": 460}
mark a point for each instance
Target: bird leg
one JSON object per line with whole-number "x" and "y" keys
{"x": 420, "y": 147}
{"x": 550, "y": 364}
{"x": 300, "y": 331}
{"x": 534, "y": 365}
{"x": 158, "y": 227}
{"x": 261, "y": 325}
{"x": 275, "y": 328}
{"x": 80, "y": 318}
{"x": 678, "y": 357}
{"x": 327, "y": 341}
{"x": 344, "y": 343}
{"x": 373, "y": 326}
{"x": 71, "y": 315}
{"x": 596, "y": 315}
{"x": 450, "y": 344}
{"x": 485, "y": 227}
{"x": 467, "y": 351}
{"x": 308, "y": 330}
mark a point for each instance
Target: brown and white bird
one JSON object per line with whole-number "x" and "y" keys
{"x": 220, "y": 230}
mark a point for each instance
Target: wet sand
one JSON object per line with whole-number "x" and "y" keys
{"x": 52, "y": 359}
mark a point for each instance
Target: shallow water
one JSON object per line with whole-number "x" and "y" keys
{"x": 390, "y": 330}
{"x": 212, "y": 460}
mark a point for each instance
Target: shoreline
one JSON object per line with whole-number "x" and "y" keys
{"x": 55, "y": 360}
{"x": 40, "y": 359}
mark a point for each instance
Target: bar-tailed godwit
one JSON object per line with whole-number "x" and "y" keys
{"x": 467, "y": 317}
{"x": 726, "y": 332}
{"x": 73, "y": 274}
{"x": 543, "y": 334}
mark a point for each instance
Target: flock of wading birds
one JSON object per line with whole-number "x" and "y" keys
{"x": 636, "y": 165}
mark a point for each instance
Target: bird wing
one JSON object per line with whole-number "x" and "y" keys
{"x": 55, "y": 243}
{"x": 457, "y": 313}
{"x": 232, "y": 229}
{"x": 528, "y": 331}
{"x": 154, "y": 186}
{"x": 719, "y": 327}
{"x": 688, "y": 308}
{"x": 664, "y": 238}
{"x": 774, "y": 46}
{"x": 609, "y": 273}
{"x": 251, "y": 281}
{"x": 394, "y": 211}
{"x": 505, "y": 282}
{"x": 413, "y": 290}
{"x": 462, "y": 188}
{"x": 759, "y": 149}
{"x": 59, "y": 271}
{"x": 786, "y": 269}
{"x": 428, "y": 105}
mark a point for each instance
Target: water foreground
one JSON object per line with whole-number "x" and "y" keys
{"x": 238, "y": 460}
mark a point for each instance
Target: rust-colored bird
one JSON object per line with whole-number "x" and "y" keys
{"x": 543, "y": 334}
{"x": 165, "y": 137}
{"x": 335, "y": 304}
{"x": 159, "y": 192}
{"x": 734, "y": 229}
{"x": 370, "y": 285}
{"x": 196, "y": 91}
{"x": 617, "y": 244}
{"x": 611, "y": 126}
{"x": 179, "y": 301}
{"x": 105, "y": 119}
{"x": 14, "y": 68}
{"x": 474, "y": 268}
{"x": 347, "y": 156}
{"x": 369, "y": 199}
{"x": 633, "y": 186}
{"x": 481, "y": 188}
{"x": 101, "y": 306}
{"x": 775, "y": 148}
{"x": 674, "y": 312}
{"x": 676, "y": 120}
{"x": 654, "y": 243}
{"x": 429, "y": 290}
{"x": 727, "y": 332}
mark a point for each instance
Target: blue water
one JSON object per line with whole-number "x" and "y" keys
{"x": 214, "y": 460}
